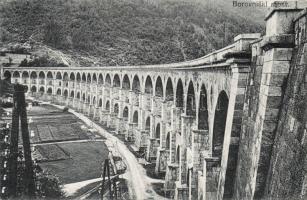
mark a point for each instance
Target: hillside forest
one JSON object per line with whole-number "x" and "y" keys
{"x": 122, "y": 32}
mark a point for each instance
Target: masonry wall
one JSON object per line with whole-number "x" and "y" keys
{"x": 248, "y": 140}
{"x": 288, "y": 171}
{"x": 273, "y": 146}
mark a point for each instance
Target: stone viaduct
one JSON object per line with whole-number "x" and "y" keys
{"x": 186, "y": 118}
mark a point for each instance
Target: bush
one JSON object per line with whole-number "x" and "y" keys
{"x": 43, "y": 61}
{"x": 7, "y": 105}
{"x": 65, "y": 109}
{"x": 150, "y": 171}
{"x": 35, "y": 103}
{"x": 48, "y": 186}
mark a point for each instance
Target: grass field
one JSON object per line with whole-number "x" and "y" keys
{"x": 51, "y": 152}
{"x": 71, "y": 161}
{"x": 84, "y": 162}
{"x": 49, "y": 124}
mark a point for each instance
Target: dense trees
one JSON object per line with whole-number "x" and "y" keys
{"x": 123, "y": 32}
{"x": 47, "y": 185}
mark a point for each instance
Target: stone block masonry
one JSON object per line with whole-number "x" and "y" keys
{"x": 269, "y": 145}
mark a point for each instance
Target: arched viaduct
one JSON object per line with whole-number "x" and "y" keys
{"x": 180, "y": 115}
{"x": 187, "y": 117}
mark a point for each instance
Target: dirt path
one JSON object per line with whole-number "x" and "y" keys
{"x": 138, "y": 182}
{"x": 72, "y": 188}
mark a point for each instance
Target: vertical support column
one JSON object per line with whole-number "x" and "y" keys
{"x": 163, "y": 125}
{"x": 37, "y": 84}
{"x": 111, "y": 105}
{"x": 175, "y": 128}
{"x": 142, "y": 111}
{"x": 53, "y": 89}
{"x": 239, "y": 65}
{"x": 233, "y": 123}
{"x": 20, "y": 78}
{"x": 150, "y": 154}
{"x": 204, "y": 186}
{"x": 103, "y": 94}
{"x": 46, "y": 85}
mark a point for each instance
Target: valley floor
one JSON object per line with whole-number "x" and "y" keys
{"x": 140, "y": 185}
{"x": 73, "y": 147}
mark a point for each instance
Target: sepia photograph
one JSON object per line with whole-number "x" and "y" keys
{"x": 153, "y": 99}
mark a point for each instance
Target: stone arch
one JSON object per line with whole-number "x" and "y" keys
{"x": 158, "y": 132}
{"x": 72, "y": 94}
{"x": 108, "y": 80}
{"x": 33, "y": 75}
{"x": 41, "y": 75}
{"x": 94, "y": 78}
{"x": 78, "y": 77}
{"x": 42, "y": 89}
{"x": 148, "y": 85}
{"x": 116, "y": 108}
{"x": 135, "y": 118}
{"x": 59, "y": 92}
{"x": 108, "y": 106}
{"x": 219, "y": 124}
{"x": 88, "y": 99}
{"x": 72, "y": 76}
{"x": 16, "y": 74}
{"x": 25, "y": 74}
{"x": 169, "y": 90}
{"x": 126, "y": 113}
{"x": 116, "y": 81}
{"x": 65, "y": 79}
{"x": 94, "y": 100}
{"x": 7, "y": 75}
{"x": 58, "y": 76}
{"x": 188, "y": 177}
{"x": 191, "y": 104}
{"x": 168, "y": 141}
{"x": 147, "y": 124}
{"x": 33, "y": 88}
{"x": 65, "y": 94}
{"x": 159, "y": 87}
{"x": 100, "y": 103}
{"x": 100, "y": 79}
{"x": 49, "y": 75}
{"x": 136, "y": 86}
{"x": 65, "y": 76}
{"x": 49, "y": 91}
{"x": 203, "y": 109}
{"x": 126, "y": 82}
{"x": 179, "y": 94}
{"x": 89, "y": 78}
{"x": 83, "y": 78}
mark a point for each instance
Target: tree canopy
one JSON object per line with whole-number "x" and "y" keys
{"x": 123, "y": 32}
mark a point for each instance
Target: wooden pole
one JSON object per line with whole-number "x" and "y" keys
{"x": 19, "y": 112}
{"x": 29, "y": 174}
